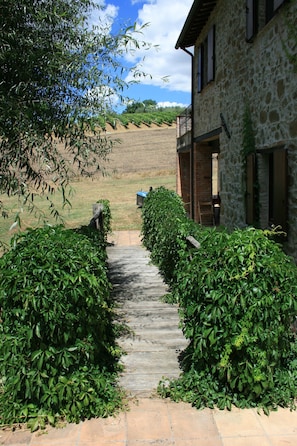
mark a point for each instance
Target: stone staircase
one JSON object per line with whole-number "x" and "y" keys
{"x": 154, "y": 340}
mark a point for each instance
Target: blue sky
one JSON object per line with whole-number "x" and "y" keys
{"x": 165, "y": 19}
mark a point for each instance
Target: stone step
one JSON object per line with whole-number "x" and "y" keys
{"x": 154, "y": 341}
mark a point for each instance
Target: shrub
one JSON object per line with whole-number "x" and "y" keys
{"x": 57, "y": 351}
{"x": 106, "y": 217}
{"x": 164, "y": 222}
{"x": 238, "y": 297}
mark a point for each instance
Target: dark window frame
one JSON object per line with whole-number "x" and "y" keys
{"x": 251, "y": 19}
{"x": 258, "y": 14}
{"x": 211, "y": 54}
{"x": 206, "y": 60}
{"x": 200, "y": 68}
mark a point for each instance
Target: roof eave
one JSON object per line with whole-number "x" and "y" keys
{"x": 197, "y": 17}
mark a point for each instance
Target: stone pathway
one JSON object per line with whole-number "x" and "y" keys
{"x": 154, "y": 340}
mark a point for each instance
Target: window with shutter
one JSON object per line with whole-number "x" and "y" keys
{"x": 206, "y": 61}
{"x": 258, "y": 14}
{"x": 277, "y": 4}
{"x": 269, "y": 10}
{"x": 251, "y": 19}
{"x": 211, "y": 54}
{"x": 251, "y": 190}
{"x": 200, "y": 73}
{"x": 278, "y": 189}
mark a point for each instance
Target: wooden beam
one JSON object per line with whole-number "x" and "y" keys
{"x": 193, "y": 242}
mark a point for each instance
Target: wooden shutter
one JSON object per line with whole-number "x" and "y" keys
{"x": 250, "y": 19}
{"x": 280, "y": 190}
{"x": 211, "y": 54}
{"x": 270, "y": 8}
{"x": 200, "y": 69}
{"x": 277, "y": 4}
{"x": 250, "y": 188}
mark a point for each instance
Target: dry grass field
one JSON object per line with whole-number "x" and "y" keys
{"x": 141, "y": 158}
{"x": 144, "y": 150}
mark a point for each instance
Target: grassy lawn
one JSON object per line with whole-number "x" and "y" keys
{"x": 120, "y": 190}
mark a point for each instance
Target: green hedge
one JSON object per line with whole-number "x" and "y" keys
{"x": 57, "y": 341}
{"x": 238, "y": 298}
{"x": 164, "y": 225}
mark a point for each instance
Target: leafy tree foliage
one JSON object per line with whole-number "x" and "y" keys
{"x": 148, "y": 105}
{"x": 55, "y": 72}
{"x": 177, "y": 109}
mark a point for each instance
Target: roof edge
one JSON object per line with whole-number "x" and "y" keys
{"x": 197, "y": 7}
{"x": 194, "y": 8}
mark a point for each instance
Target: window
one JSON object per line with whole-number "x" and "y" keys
{"x": 277, "y": 4}
{"x": 267, "y": 188}
{"x": 206, "y": 60}
{"x": 278, "y": 189}
{"x": 200, "y": 64}
{"x": 210, "y": 55}
{"x": 252, "y": 207}
{"x": 271, "y": 8}
{"x": 251, "y": 19}
{"x": 273, "y": 190}
{"x": 258, "y": 13}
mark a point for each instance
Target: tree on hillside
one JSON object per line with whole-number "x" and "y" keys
{"x": 148, "y": 105}
{"x": 55, "y": 72}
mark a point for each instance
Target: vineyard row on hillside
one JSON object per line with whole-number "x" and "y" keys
{"x": 138, "y": 119}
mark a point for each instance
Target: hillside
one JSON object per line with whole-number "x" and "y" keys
{"x": 142, "y": 149}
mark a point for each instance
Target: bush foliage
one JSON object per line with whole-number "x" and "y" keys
{"x": 58, "y": 357}
{"x": 164, "y": 225}
{"x": 238, "y": 298}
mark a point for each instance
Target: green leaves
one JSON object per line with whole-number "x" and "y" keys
{"x": 164, "y": 226}
{"x": 55, "y": 70}
{"x": 250, "y": 289}
{"x": 237, "y": 297}
{"x": 57, "y": 335}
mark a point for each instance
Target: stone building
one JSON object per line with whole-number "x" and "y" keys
{"x": 242, "y": 141}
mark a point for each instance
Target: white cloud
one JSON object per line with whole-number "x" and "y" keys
{"x": 166, "y": 20}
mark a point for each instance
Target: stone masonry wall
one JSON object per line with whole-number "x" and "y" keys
{"x": 224, "y": 97}
{"x": 260, "y": 74}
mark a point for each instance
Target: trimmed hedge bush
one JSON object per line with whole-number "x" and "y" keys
{"x": 57, "y": 341}
{"x": 238, "y": 298}
{"x": 164, "y": 225}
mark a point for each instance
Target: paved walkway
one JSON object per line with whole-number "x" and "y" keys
{"x": 153, "y": 421}
{"x": 154, "y": 340}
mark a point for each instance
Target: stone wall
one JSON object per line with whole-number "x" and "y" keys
{"x": 224, "y": 97}
{"x": 260, "y": 74}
